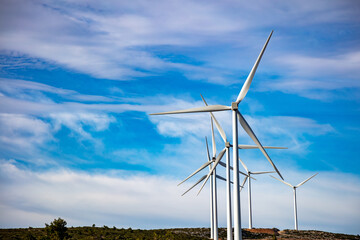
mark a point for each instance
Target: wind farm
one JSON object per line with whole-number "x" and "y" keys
{"x": 236, "y": 116}
{"x": 164, "y": 120}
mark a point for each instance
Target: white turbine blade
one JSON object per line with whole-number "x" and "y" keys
{"x": 224, "y": 179}
{"x": 221, "y": 178}
{"x": 242, "y": 185}
{"x": 207, "y": 148}
{"x": 213, "y": 138}
{"x": 246, "y": 86}
{"x": 243, "y": 164}
{"x": 219, "y": 128}
{"x": 243, "y": 146}
{"x": 282, "y": 181}
{"x": 306, "y": 180}
{"x": 269, "y": 147}
{"x": 262, "y": 172}
{"x": 221, "y": 154}
{"x": 224, "y": 165}
{"x": 201, "y": 179}
{"x": 212, "y": 108}
{"x": 250, "y": 132}
{"x": 198, "y": 170}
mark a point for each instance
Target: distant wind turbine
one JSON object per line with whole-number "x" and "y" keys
{"x": 249, "y": 173}
{"x": 294, "y": 187}
{"x": 213, "y": 193}
{"x": 213, "y": 190}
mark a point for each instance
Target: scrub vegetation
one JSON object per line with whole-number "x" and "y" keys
{"x": 57, "y": 230}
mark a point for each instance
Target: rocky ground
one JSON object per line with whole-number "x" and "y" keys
{"x": 302, "y": 234}
{"x": 270, "y": 233}
{"x": 167, "y": 234}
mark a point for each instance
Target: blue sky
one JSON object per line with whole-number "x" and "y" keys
{"x": 78, "y": 80}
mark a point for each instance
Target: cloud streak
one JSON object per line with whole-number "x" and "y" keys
{"x": 129, "y": 40}
{"x": 108, "y": 199}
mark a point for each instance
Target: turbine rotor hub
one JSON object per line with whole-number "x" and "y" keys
{"x": 234, "y": 106}
{"x": 227, "y": 145}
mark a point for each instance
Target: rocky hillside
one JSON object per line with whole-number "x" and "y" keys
{"x": 165, "y": 234}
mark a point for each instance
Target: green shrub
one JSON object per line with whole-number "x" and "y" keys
{"x": 57, "y": 229}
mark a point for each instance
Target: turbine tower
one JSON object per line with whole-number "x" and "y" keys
{"x": 236, "y": 116}
{"x": 294, "y": 188}
{"x": 249, "y": 173}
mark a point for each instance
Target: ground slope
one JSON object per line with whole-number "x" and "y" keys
{"x": 167, "y": 234}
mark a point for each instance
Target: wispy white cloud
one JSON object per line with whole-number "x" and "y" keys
{"x": 77, "y": 122}
{"x": 23, "y": 132}
{"x": 84, "y": 199}
{"x": 317, "y": 77}
{"x": 114, "y": 40}
{"x": 343, "y": 65}
{"x": 84, "y": 119}
{"x": 30, "y": 118}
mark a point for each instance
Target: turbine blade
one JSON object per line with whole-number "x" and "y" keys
{"x": 250, "y": 132}
{"x": 221, "y": 154}
{"x": 306, "y": 180}
{"x": 282, "y": 181}
{"x": 201, "y": 179}
{"x": 212, "y": 108}
{"x": 246, "y": 86}
{"x": 198, "y": 170}
{"x": 242, "y": 185}
{"x": 269, "y": 147}
{"x": 207, "y": 148}
{"x": 243, "y": 146}
{"x": 219, "y": 128}
{"x": 221, "y": 178}
{"x": 213, "y": 138}
{"x": 243, "y": 164}
{"x": 224, "y": 165}
{"x": 262, "y": 172}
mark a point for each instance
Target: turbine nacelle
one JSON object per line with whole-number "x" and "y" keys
{"x": 234, "y": 106}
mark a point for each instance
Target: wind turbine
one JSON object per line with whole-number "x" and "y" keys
{"x": 213, "y": 191}
{"x": 213, "y": 184}
{"x": 228, "y": 167}
{"x": 236, "y": 116}
{"x": 249, "y": 184}
{"x": 294, "y": 188}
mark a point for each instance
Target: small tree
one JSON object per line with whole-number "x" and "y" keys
{"x": 57, "y": 229}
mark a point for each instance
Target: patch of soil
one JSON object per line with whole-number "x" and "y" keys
{"x": 270, "y": 231}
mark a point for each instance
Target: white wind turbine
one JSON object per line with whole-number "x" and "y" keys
{"x": 213, "y": 191}
{"x": 228, "y": 167}
{"x": 249, "y": 173}
{"x": 236, "y": 116}
{"x": 294, "y": 188}
{"x": 214, "y": 176}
